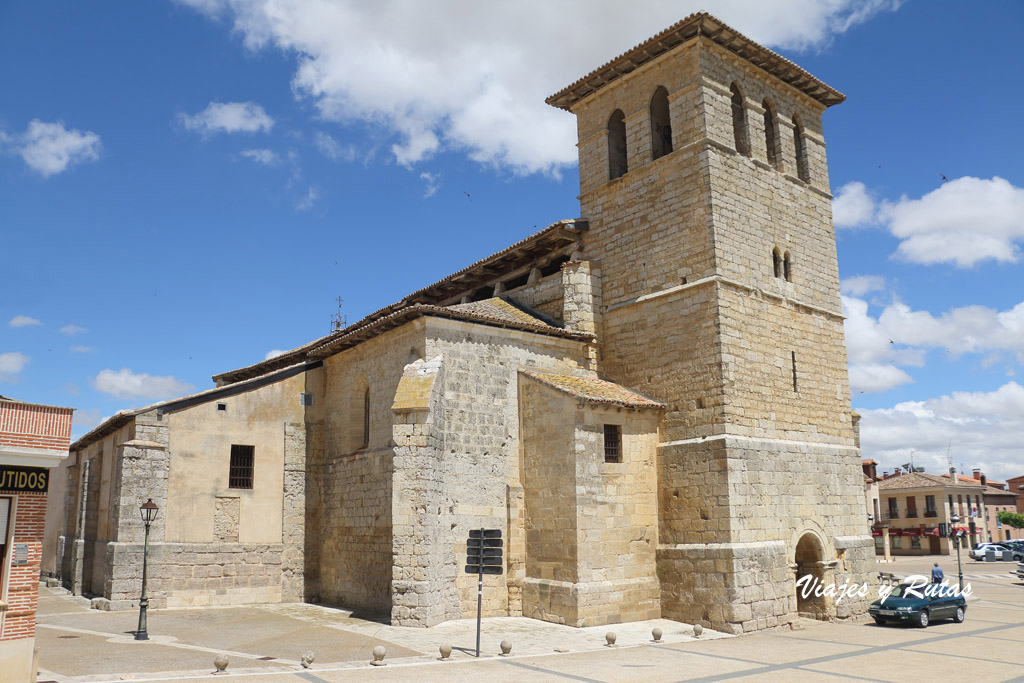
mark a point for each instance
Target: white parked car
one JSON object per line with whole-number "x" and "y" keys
{"x": 978, "y": 552}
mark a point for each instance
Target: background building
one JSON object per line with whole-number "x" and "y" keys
{"x": 33, "y": 439}
{"x": 916, "y": 505}
{"x": 650, "y": 401}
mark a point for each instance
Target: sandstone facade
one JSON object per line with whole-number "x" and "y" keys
{"x": 651, "y": 401}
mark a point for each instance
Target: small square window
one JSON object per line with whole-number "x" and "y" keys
{"x": 222, "y": 407}
{"x": 241, "y": 468}
{"x": 612, "y": 443}
{"x": 305, "y": 399}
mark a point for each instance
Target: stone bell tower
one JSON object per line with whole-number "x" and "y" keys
{"x": 704, "y": 181}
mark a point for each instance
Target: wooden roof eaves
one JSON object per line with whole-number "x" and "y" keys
{"x": 702, "y": 25}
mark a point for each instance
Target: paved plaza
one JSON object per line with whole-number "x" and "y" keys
{"x": 264, "y": 645}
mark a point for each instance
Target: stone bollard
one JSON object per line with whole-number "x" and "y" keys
{"x": 697, "y": 630}
{"x": 446, "y": 651}
{"x": 609, "y": 639}
{"x": 307, "y": 659}
{"x": 656, "y": 634}
{"x": 506, "y": 647}
{"x": 221, "y": 664}
{"x": 378, "y": 656}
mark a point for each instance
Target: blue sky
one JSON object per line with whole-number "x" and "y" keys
{"x": 187, "y": 186}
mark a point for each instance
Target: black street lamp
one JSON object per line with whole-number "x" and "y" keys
{"x": 955, "y": 519}
{"x": 148, "y": 511}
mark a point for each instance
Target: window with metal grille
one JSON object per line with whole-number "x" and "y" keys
{"x": 612, "y": 443}
{"x": 240, "y": 472}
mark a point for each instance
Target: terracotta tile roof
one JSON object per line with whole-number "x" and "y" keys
{"x": 972, "y": 480}
{"x": 868, "y": 462}
{"x": 593, "y": 390}
{"x": 699, "y": 24}
{"x": 501, "y": 310}
{"x": 554, "y": 237}
{"x": 492, "y": 316}
{"x": 920, "y": 480}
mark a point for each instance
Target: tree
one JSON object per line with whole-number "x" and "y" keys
{"x": 1011, "y": 519}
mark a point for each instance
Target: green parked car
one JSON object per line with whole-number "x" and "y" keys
{"x": 919, "y": 605}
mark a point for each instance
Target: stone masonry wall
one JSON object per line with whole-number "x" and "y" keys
{"x": 591, "y": 525}
{"x": 696, "y": 318}
{"x": 481, "y": 451}
{"x": 551, "y": 517}
{"x": 354, "y": 484}
{"x": 423, "y": 584}
{"x": 544, "y": 295}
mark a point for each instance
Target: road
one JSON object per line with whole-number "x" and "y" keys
{"x": 264, "y": 644}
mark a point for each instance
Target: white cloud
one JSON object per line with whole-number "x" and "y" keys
{"x": 23, "y": 321}
{"x": 50, "y": 148}
{"x": 899, "y": 336}
{"x": 83, "y": 420}
{"x": 125, "y": 383}
{"x": 433, "y": 183}
{"x": 852, "y": 206}
{"x": 980, "y": 429}
{"x": 274, "y": 353}
{"x": 82, "y": 349}
{"x": 306, "y": 203}
{"x": 869, "y": 378}
{"x": 72, "y": 330}
{"x": 332, "y": 149}
{"x": 260, "y": 156}
{"x": 967, "y": 329}
{"x": 474, "y": 76}
{"x": 859, "y": 285}
{"x": 11, "y": 364}
{"x": 228, "y": 117}
{"x": 964, "y": 221}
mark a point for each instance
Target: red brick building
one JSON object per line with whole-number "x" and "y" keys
{"x": 33, "y": 439}
{"x": 1016, "y": 484}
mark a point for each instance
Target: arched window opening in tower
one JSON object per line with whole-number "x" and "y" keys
{"x": 777, "y": 262}
{"x": 618, "y": 166}
{"x": 770, "y": 134}
{"x": 739, "y": 121}
{"x": 787, "y": 267}
{"x": 800, "y": 151}
{"x": 661, "y": 126}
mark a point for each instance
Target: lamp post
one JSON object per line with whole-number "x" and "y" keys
{"x": 955, "y": 519}
{"x": 148, "y": 511}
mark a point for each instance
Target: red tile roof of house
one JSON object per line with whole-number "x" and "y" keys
{"x": 593, "y": 390}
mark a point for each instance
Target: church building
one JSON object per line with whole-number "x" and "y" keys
{"x": 650, "y": 401}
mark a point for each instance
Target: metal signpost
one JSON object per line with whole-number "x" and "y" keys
{"x": 483, "y": 556}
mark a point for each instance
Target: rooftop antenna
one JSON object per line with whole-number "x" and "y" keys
{"x": 338, "y": 321}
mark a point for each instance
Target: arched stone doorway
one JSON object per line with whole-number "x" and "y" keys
{"x": 810, "y": 563}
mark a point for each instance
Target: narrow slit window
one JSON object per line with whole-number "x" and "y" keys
{"x": 240, "y": 472}
{"x": 770, "y": 134}
{"x": 661, "y": 125}
{"x": 792, "y": 356}
{"x": 618, "y": 165}
{"x": 786, "y": 267}
{"x": 739, "y": 122}
{"x": 777, "y": 262}
{"x": 612, "y": 443}
{"x": 366, "y": 418}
